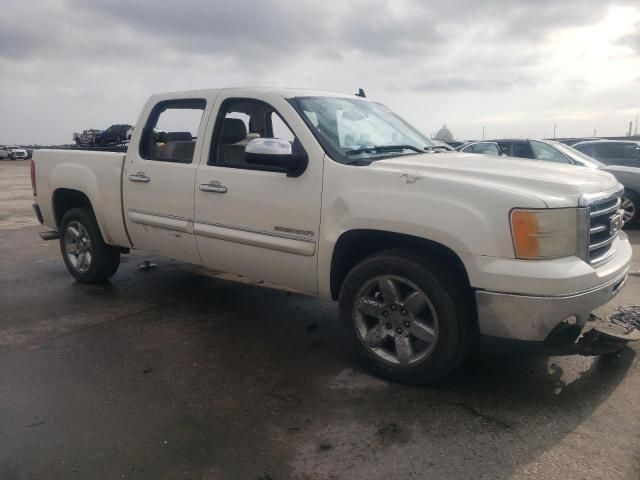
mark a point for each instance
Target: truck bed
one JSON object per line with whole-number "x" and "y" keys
{"x": 96, "y": 174}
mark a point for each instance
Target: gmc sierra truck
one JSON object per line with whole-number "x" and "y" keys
{"x": 429, "y": 252}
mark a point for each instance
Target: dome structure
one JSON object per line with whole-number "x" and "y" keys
{"x": 444, "y": 134}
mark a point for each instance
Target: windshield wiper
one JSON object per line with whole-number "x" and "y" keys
{"x": 433, "y": 148}
{"x": 382, "y": 149}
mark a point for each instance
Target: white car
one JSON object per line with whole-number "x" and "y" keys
{"x": 427, "y": 251}
{"x": 18, "y": 153}
{"x": 4, "y": 152}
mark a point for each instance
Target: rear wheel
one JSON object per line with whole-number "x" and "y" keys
{"x": 631, "y": 207}
{"x": 85, "y": 254}
{"x": 408, "y": 316}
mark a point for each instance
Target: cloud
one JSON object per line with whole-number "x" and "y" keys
{"x": 632, "y": 40}
{"x": 73, "y": 64}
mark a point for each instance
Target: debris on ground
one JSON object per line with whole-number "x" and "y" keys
{"x": 627, "y": 316}
{"x": 324, "y": 446}
{"x": 146, "y": 265}
{"x": 287, "y": 397}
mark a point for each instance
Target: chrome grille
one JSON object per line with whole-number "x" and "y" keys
{"x": 603, "y": 212}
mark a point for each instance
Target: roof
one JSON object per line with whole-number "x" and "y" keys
{"x": 631, "y": 140}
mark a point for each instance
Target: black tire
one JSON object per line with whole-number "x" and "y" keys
{"x": 634, "y": 198}
{"x": 448, "y": 298}
{"x": 105, "y": 259}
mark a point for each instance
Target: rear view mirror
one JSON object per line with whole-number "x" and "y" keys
{"x": 275, "y": 152}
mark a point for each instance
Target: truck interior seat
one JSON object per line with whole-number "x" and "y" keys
{"x": 178, "y": 147}
{"x": 229, "y": 151}
{"x": 178, "y": 151}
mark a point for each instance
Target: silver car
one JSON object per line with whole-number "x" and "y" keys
{"x": 612, "y": 152}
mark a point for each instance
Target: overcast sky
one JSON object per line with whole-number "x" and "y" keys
{"x": 515, "y": 67}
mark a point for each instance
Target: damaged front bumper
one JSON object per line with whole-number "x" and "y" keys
{"x": 558, "y": 325}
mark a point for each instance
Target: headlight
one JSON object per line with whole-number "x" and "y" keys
{"x": 545, "y": 234}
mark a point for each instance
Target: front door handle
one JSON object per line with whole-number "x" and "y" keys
{"x": 139, "y": 177}
{"x": 213, "y": 186}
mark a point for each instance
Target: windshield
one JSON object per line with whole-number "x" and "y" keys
{"x": 360, "y": 131}
{"x": 578, "y": 157}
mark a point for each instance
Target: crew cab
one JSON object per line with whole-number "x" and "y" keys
{"x": 429, "y": 252}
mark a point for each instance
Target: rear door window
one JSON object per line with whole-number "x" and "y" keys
{"x": 608, "y": 150}
{"x": 587, "y": 149}
{"x": 522, "y": 150}
{"x": 543, "y": 151}
{"x": 171, "y": 131}
{"x": 505, "y": 147}
{"x": 486, "y": 148}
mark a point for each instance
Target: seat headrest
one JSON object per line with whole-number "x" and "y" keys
{"x": 178, "y": 137}
{"x": 233, "y": 130}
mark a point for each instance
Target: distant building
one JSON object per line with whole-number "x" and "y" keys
{"x": 444, "y": 134}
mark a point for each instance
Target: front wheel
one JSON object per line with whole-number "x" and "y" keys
{"x": 87, "y": 257}
{"x": 408, "y": 316}
{"x": 631, "y": 206}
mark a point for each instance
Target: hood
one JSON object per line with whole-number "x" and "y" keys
{"x": 557, "y": 185}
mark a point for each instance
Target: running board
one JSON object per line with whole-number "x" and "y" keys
{"x": 50, "y": 235}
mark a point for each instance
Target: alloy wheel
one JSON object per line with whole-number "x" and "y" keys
{"x": 629, "y": 209}
{"x": 395, "y": 320}
{"x": 77, "y": 244}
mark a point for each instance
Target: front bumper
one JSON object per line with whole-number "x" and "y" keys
{"x": 533, "y": 318}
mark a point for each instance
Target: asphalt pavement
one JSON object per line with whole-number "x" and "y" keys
{"x": 172, "y": 373}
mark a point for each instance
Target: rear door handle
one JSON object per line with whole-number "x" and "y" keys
{"x": 213, "y": 186}
{"x": 139, "y": 177}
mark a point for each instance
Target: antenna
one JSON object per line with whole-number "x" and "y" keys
{"x": 361, "y": 93}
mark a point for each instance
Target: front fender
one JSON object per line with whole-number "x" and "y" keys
{"x": 467, "y": 217}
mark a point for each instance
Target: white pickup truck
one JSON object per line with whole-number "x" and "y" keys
{"x": 429, "y": 252}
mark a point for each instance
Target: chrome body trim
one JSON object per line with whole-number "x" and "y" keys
{"x": 532, "y": 318}
{"x": 159, "y": 220}
{"x": 274, "y": 241}
{"x": 269, "y": 240}
{"x": 597, "y": 242}
{"x": 588, "y": 198}
{"x": 610, "y": 209}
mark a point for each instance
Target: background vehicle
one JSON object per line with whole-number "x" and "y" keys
{"x": 486, "y": 148}
{"x": 427, "y": 251}
{"x": 612, "y": 152}
{"x": 87, "y": 137}
{"x": 4, "y": 152}
{"x": 573, "y": 141}
{"x": 553, "y": 151}
{"x": 17, "y": 153}
{"x": 113, "y": 134}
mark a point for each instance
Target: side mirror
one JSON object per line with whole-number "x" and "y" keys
{"x": 275, "y": 152}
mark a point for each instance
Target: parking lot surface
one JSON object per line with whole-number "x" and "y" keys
{"x": 173, "y": 374}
